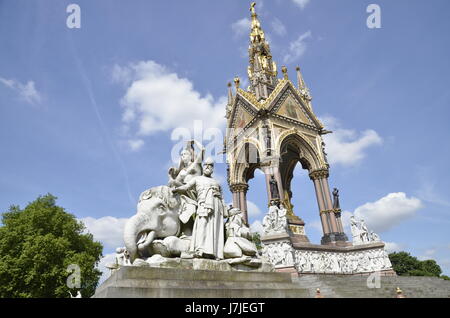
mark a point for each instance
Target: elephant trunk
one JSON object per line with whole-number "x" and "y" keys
{"x": 134, "y": 226}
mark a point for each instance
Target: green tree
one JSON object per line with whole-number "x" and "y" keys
{"x": 406, "y": 265}
{"x": 403, "y": 263}
{"x": 431, "y": 267}
{"x": 37, "y": 244}
{"x": 256, "y": 238}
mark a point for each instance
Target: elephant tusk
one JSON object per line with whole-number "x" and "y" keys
{"x": 142, "y": 247}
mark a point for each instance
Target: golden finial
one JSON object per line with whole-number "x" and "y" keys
{"x": 237, "y": 82}
{"x": 284, "y": 70}
{"x": 252, "y": 7}
{"x": 229, "y": 84}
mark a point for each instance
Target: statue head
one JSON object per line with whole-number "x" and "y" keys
{"x": 208, "y": 167}
{"x": 186, "y": 157}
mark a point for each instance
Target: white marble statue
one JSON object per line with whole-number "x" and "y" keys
{"x": 275, "y": 220}
{"x": 360, "y": 232}
{"x": 208, "y": 233}
{"x": 239, "y": 240}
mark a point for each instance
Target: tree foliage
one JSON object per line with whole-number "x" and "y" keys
{"x": 406, "y": 265}
{"x": 256, "y": 238}
{"x": 37, "y": 244}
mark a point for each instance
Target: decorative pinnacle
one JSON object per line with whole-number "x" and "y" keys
{"x": 252, "y": 8}
{"x": 284, "y": 70}
{"x": 229, "y": 84}
{"x": 237, "y": 82}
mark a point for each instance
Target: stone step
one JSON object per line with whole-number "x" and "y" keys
{"x": 356, "y": 286}
{"x": 132, "y": 272}
{"x": 204, "y": 284}
{"x": 126, "y": 292}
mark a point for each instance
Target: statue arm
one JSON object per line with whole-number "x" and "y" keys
{"x": 199, "y": 158}
{"x": 185, "y": 187}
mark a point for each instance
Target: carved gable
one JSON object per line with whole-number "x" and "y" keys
{"x": 241, "y": 116}
{"x": 289, "y": 104}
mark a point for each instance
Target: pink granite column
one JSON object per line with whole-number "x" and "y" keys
{"x": 321, "y": 204}
{"x": 329, "y": 205}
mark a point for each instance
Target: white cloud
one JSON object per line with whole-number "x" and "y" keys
{"x": 346, "y": 146}
{"x": 301, "y": 3}
{"x": 252, "y": 209}
{"x": 157, "y": 100}
{"x": 278, "y": 27}
{"x": 297, "y": 48}
{"x": 241, "y": 27}
{"x": 393, "y": 247}
{"x": 107, "y": 259}
{"x": 27, "y": 92}
{"x": 389, "y": 211}
{"x": 108, "y": 230}
{"x": 256, "y": 227}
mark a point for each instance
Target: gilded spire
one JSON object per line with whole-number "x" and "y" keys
{"x": 256, "y": 34}
{"x": 262, "y": 71}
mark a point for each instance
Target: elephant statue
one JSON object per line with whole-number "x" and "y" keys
{"x": 155, "y": 228}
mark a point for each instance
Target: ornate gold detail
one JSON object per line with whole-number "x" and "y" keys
{"x": 287, "y": 204}
{"x": 284, "y": 71}
{"x": 250, "y": 97}
{"x": 237, "y": 82}
{"x": 327, "y": 211}
{"x": 297, "y": 229}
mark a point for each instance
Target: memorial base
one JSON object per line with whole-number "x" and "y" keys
{"x": 157, "y": 282}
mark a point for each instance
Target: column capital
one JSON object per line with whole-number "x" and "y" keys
{"x": 239, "y": 187}
{"x": 319, "y": 174}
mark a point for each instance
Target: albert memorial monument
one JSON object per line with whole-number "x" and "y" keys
{"x": 185, "y": 241}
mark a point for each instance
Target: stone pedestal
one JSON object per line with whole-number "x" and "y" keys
{"x": 214, "y": 280}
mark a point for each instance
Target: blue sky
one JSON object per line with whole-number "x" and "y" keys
{"x": 87, "y": 114}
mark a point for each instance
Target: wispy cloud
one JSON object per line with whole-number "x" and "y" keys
{"x": 241, "y": 27}
{"x": 301, "y": 3}
{"x": 428, "y": 192}
{"x": 26, "y": 92}
{"x": 278, "y": 27}
{"x": 297, "y": 48}
{"x": 135, "y": 144}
